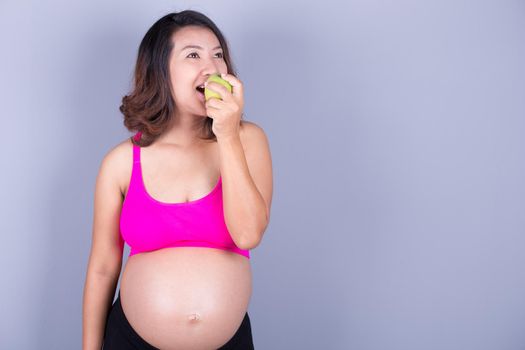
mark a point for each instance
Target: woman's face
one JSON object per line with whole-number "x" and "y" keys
{"x": 196, "y": 54}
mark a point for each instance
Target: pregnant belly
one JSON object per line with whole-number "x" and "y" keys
{"x": 186, "y": 297}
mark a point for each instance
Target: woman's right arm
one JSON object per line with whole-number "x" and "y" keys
{"x": 105, "y": 259}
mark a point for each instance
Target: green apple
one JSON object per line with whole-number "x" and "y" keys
{"x": 216, "y": 78}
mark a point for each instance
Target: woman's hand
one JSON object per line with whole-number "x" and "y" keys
{"x": 226, "y": 113}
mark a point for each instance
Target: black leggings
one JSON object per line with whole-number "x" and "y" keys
{"x": 119, "y": 335}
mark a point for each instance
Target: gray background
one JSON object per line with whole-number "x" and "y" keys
{"x": 397, "y": 137}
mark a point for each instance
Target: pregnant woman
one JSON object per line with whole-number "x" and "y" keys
{"x": 190, "y": 192}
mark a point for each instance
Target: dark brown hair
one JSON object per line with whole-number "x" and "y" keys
{"x": 150, "y": 105}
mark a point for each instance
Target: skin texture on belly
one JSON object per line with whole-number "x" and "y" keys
{"x": 186, "y": 297}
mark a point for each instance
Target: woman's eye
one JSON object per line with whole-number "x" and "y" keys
{"x": 194, "y": 53}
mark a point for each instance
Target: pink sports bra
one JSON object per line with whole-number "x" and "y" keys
{"x": 147, "y": 224}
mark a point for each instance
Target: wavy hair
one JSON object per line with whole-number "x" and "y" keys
{"x": 149, "y": 107}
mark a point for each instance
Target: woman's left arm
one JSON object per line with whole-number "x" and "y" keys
{"x": 245, "y": 165}
{"x": 246, "y": 170}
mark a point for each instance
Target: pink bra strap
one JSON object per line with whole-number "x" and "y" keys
{"x": 136, "y": 149}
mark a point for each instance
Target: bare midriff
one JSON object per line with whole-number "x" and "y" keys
{"x": 186, "y": 297}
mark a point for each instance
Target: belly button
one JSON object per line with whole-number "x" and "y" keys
{"x": 194, "y": 317}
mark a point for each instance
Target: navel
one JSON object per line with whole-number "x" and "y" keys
{"x": 194, "y": 317}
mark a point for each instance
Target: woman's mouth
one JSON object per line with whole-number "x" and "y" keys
{"x": 200, "y": 93}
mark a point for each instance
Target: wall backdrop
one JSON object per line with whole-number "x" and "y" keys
{"x": 397, "y": 137}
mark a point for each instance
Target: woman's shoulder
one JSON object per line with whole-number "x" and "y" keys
{"x": 250, "y": 132}
{"x": 248, "y": 128}
{"x": 119, "y": 161}
{"x": 120, "y": 152}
